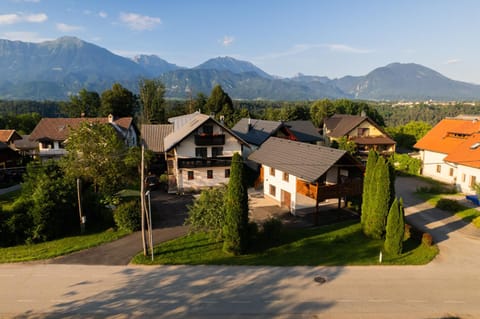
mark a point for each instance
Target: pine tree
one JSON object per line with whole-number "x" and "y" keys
{"x": 235, "y": 231}
{"x": 374, "y": 225}
{"x": 395, "y": 228}
{"x": 367, "y": 187}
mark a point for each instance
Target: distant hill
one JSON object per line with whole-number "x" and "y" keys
{"x": 56, "y": 69}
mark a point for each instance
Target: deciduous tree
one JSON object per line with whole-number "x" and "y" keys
{"x": 152, "y": 101}
{"x": 86, "y": 104}
{"x": 118, "y": 101}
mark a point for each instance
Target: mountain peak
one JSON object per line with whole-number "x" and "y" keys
{"x": 233, "y": 65}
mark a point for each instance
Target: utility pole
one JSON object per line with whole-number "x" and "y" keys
{"x": 142, "y": 198}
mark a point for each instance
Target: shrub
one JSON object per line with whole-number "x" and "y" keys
{"x": 127, "y": 216}
{"x": 272, "y": 230}
{"x": 407, "y": 164}
{"x": 449, "y": 205}
{"x": 427, "y": 239}
{"x": 408, "y": 232}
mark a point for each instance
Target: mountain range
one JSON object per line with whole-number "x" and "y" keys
{"x": 56, "y": 69}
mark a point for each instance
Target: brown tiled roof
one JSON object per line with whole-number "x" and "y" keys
{"x": 306, "y": 161}
{"x": 57, "y": 129}
{"x": 154, "y": 134}
{"x": 25, "y": 143}
{"x": 339, "y": 125}
{"x": 8, "y": 136}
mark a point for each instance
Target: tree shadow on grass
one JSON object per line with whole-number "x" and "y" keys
{"x": 201, "y": 292}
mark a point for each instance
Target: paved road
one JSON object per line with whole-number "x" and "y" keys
{"x": 447, "y": 287}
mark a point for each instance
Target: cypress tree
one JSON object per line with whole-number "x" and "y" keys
{"x": 368, "y": 187}
{"x": 395, "y": 228}
{"x": 374, "y": 226}
{"x": 235, "y": 231}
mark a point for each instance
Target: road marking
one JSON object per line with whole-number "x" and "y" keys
{"x": 454, "y": 301}
{"x": 415, "y": 300}
{"x": 379, "y": 300}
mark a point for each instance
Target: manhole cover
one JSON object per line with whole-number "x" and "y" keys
{"x": 320, "y": 280}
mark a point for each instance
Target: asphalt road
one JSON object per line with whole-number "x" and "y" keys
{"x": 446, "y": 288}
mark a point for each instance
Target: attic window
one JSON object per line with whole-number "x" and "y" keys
{"x": 475, "y": 146}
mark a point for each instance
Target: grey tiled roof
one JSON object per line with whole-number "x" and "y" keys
{"x": 306, "y": 161}
{"x": 257, "y": 132}
{"x": 154, "y": 134}
{"x": 304, "y": 131}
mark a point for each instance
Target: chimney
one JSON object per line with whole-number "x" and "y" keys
{"x": 249, "y": 126}
{"x": 222, "y": 119}
{"x": 110, "y": 118}
{"x": 363, "y": 113}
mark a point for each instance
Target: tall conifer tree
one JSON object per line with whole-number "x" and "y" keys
{"x": 395, "y": 228}
{"x": 368, "y": 190}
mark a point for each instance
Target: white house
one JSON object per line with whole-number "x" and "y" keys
{"x": 450, "y": 152}
{"x": 290, "y": 168}
{"x": 199, "y": 153}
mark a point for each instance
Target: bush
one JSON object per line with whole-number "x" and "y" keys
{"x": 449, "y": 205}
{"x": 272, "y": 230}
{"x": 437, "y": 189}
{"x": 127, "y": 216}
{"x": 427, "y": 239}
{"x": 408, "y": 232}
{"x": 407, "y": 164}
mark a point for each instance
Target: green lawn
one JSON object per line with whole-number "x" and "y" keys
{"x": 333, "y": 245}
{"x": 57, "y": 247}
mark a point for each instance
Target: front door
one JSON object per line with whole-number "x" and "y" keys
{"x": 286, "y": 200}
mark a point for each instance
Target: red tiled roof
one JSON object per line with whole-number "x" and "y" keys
{"x": 8, "y": 136}
{"x": 466, "y": 153}
{"x": 448, "y": 135}
{"x": 57, "y": 129}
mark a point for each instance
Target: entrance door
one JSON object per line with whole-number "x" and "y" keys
{"x": 286, "y": 200}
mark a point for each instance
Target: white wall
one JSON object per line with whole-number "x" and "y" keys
{"x": 280, "y": 184}
{"x": 464, "y": 175}
{"x": 430, "y": 162}
{"x": 200, "y": 179}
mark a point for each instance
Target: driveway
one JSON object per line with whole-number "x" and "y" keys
{"x": 168, "y": 214}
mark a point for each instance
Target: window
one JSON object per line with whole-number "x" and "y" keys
{"x": 48, "y": 145}
{"x": 463, "y": 178}
{"x": 201, "y": 152}
{"x": 190, "y": 175}
{"x": 473, "y": 181}
{"x": 273, "y": 190}
{"x": 362, "y": 131}
{"x": 272, "y": 171}
{"x": 450, "y": 172}
{"x": 285, "y": 176}
{"x": 217, "y": 151}
{"x": 227, "y": 173}
{"x": 439, "y": 169}
{"x": 208, "y": 129}
{"x": 209, "y": 174}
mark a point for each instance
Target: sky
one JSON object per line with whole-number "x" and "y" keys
{"x": 330, "y": 38}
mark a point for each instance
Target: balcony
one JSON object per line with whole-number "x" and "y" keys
{"x": 209, "y": 139}
{"x": 204, "y": 162}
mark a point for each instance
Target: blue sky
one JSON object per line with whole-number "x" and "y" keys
{"x": 314, "y": 37}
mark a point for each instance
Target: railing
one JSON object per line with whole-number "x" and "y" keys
{"x": 204, "y": 162}
{"x": 51, "y": 152}
{"x": 218, "y": 139}
{"x": 349, "y": 188}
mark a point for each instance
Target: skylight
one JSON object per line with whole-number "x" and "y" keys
{"x": 475, "y": 146}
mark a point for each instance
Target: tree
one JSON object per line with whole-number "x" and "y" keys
{"x": 95, "y": 153}
{"x": 395, "y": 228}
{"x": 86, "y": 104}
{"x": 347, "y": 145}
{"x": 152, "y": 101}
{"x": 320, "y": 110}
{"x": 235, "y": 231}
{"x": 368, "y": 188}
{"x": 118, "y": 101}
{"x": 220, "y": 104}
{"x": 207, "y": 213}
{"x": 380, "y": 197}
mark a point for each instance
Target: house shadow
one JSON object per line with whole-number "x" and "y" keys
{"x": 200, "y": 292}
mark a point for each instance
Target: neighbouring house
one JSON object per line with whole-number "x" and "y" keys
{"x": 51, "y": 133}
{"x": 26, "y": 147}
{"x": 319, "y": 172}
{"x": 361, "y": 130}
{"x": 256, "y": 132}
{"x": 153, "y": 136}
{"x": 9, "y": 157}
{"x": 199, "y": 153}
{"x": 450, "y": 152}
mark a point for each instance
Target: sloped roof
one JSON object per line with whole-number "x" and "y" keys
{"x": 8, "y": 136}
{"x": 58, "y": 129}
{"x": 304, "y": 131}
{"x": 181, "y": 120}
{"x": 196, "y": 121}
{"x": 258, "y": 131}
{"x": 25, "y": 143}
{"x": 448, "y": 134}
{"x": 306, "y": 161}
{"x": 466, "y": 153}
{"x": 339, "y": 125}
{"x": 154, "y": 134}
